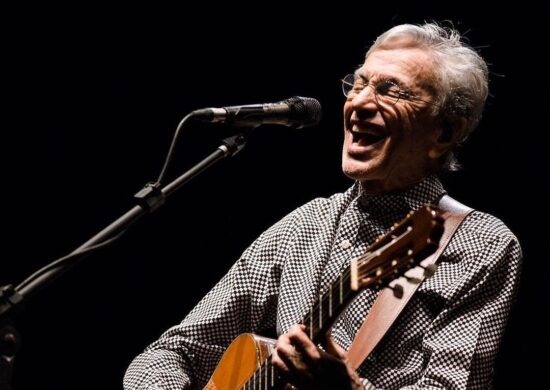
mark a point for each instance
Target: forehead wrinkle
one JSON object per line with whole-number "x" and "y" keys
{"x": 364, "y": 74}
{"x": 416, "y": 65}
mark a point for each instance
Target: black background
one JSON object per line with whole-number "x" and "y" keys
{"x": 93, "y": 95}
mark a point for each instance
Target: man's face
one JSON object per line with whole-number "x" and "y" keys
{"x": 387, "y": 146}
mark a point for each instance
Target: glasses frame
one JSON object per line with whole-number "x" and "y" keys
{"x": 349, "y": 81}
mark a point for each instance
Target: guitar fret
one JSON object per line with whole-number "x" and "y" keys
{"x": 265, "y": 380}
{"x": 272, "y": 376}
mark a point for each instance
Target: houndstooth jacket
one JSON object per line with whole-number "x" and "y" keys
{"x": 447, "y": 336}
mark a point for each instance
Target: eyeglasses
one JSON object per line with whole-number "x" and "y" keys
{"x": 385, "y": 91}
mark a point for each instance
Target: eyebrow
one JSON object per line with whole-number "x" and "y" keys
{"x": 406, "y": 87}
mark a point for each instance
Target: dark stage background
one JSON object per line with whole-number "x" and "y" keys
{"x": 92, "y": 97}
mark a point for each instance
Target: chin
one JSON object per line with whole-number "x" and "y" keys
{"x": 357, "y": 170}
{"x": 369, "y": 171}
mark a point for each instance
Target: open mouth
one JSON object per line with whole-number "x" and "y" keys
{"x": 366, "y": 139}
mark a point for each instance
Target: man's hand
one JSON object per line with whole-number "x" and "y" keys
{"x": 306, "y": 367}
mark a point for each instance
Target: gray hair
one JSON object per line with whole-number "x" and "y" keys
{"x": 462, "y": 75}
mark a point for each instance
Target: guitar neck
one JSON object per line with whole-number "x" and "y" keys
{"x": 330, "y": 304}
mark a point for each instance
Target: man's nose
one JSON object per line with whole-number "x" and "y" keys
{"x": 366, "y": 98}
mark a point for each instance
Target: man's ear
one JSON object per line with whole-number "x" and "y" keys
{"x": 451, "y": 131}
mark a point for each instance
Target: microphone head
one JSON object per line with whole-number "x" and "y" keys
{"x": 306, "y": 111}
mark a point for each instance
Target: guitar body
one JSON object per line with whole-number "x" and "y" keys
{"x": 241, "y": 359}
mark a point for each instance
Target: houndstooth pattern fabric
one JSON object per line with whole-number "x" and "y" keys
{"x": 447, "y": 336}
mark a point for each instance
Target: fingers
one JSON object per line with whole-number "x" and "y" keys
{"x": 294, "y": 355}
{"x": 334, "y": 349}
{"x": 340, "y": 353}
{"x": 287, "y": 354}
{"x": 303, "y": 344}
{"x": 301, "y": 363}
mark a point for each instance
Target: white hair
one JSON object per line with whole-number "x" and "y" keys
{"x": 461, "y": 75}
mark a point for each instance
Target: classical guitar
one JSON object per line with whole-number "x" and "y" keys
{"x": 246, "y": 364}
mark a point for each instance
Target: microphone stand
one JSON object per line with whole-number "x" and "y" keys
{"x": 149, "y": 199}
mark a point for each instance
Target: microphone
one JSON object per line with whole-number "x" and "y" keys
{"x": 297, "y": 112}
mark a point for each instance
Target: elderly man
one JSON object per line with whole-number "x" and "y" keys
{"x": 419, "y": 93}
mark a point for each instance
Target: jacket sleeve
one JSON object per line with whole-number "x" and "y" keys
{"x": 244, "y": 300}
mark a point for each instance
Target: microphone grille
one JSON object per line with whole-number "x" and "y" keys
{"x": 306, "y": 110}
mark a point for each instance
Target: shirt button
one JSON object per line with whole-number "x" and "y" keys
{"x": 345, "y": 244}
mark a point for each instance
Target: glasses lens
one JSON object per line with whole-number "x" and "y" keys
{"x": 347, "y": 84}
{"x": 388, "y": 92}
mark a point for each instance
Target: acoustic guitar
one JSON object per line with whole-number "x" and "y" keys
{"x": 246, "y": 364}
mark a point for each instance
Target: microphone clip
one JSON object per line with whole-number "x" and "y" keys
{"x": 150, "y": 197}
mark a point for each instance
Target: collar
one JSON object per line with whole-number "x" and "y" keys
{"x": 428, "y": 190}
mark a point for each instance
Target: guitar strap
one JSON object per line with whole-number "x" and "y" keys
{"x": 387, "y": 306}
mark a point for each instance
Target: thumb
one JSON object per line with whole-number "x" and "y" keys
{"x": 334, "y": 349}
{"x": 337, "y": 351}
